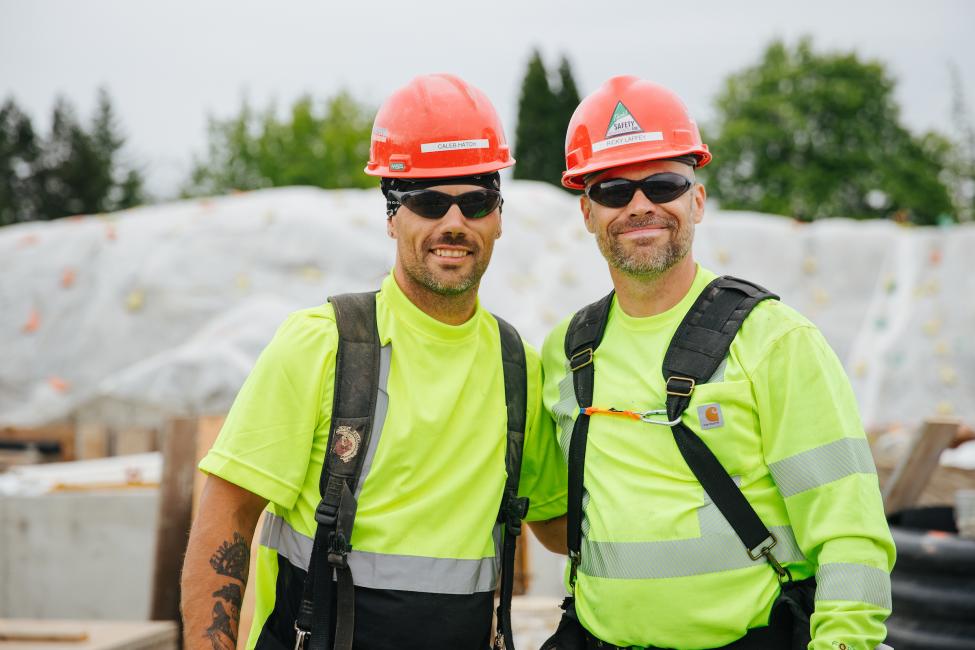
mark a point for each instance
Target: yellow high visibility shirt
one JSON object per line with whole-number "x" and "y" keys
{"x": 430, "y": 497}
{"x": 660, "y": 564}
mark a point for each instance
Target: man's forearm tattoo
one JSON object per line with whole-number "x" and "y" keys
{"x": 232, "y": 559}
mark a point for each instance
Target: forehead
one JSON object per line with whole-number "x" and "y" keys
{"x": 456, "y": 190}
{"x": 640, "y": 170}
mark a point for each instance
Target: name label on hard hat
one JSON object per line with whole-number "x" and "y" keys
{"x": 379, "y": 134}
{"x": 710, "y": 416}
{"x": 453, "y": 145}
{"x": 619, "y": 141}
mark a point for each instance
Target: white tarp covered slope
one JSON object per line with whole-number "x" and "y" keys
{"x": 137, "y": 316}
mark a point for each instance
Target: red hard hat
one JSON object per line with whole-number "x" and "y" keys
{"x": 628, "y": 120}
{"x": 437, "y": 126}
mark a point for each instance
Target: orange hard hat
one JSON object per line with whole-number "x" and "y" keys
{"x": 628, "y": 120}
{"x": 437, "y": 126}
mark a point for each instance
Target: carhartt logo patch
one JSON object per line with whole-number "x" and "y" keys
{"x": 346, "y": 444}
{"x": 710, "y": 416}
{"x": 622, "y": 122}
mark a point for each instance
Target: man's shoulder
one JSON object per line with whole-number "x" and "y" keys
{"x": 305, "y": 330}
{"x": 774, "y": 318}
{"x": 770, "y": 322}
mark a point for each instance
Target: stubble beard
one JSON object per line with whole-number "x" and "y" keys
{"x": 646, "y": 260}
{"x": 424, "y": 276}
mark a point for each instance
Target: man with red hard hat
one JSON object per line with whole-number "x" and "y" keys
{"x": 721, "y": 490}
{"x": 394, "y": 440}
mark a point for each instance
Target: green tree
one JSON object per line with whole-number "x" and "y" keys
{"x": 543, "y": 115}
{"x": 958, "y": 154}
{"x": 324, "y": 147}
{"x": 73, "y": 170}
{"x": 818, "y": 135}
{"x": 19, "y": 151}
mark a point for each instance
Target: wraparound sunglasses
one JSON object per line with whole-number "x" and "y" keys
{"x": 434, "y": 205}
{"x": 659, "y": 188}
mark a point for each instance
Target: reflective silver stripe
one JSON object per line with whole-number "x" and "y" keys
{"x": 378, "y": 416}
{"x": 278, "y": 535}
{"x": 565, "y": 412}
{"x": 853, "y": 582}
{"x": 815, "y": 467}
{"x": 387, "y": 571}
{"x": 718, "y": 375}
{"x": 680, "y": 557}
{"x": 431, "y": 574}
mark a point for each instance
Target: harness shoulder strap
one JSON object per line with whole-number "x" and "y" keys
{"x": 582, "y": 337}
{"x": 513, "y": 508}
{"x": 353, "y": 408}
{"x": 698, "y": 347}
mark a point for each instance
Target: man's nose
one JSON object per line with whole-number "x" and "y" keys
{"x": 454, "y": 220}
{"x": 640, "y": 204}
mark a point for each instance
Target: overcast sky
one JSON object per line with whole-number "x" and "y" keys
{"x": 168, "y": 64}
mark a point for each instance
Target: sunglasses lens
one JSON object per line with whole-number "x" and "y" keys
{"x": 479, "y": 203}
{"x": 663, "y": 188}
{"x": 427, "y": 203}
{"x": 614, "y": 193}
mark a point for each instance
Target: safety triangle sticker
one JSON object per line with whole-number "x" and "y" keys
{"x": 622, "y": 122}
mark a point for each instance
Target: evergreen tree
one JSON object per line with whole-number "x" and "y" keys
{"x": 78, "y": 170}
{"x": 543, "y": 116}
{"x": 818, "y": 135}
{"x": 19, "y": 151}
{"x": 535, "y": 135}
{"x": 567, "y": 96}
{"x": 323, "y": 147}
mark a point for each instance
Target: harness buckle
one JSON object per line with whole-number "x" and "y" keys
{"x": 574, "y": 560}
{"x": 301, "y": 636}
{"x": 513, "y": 510}
{"x": 325, "y": 514}
{"x": 338, "y": 550}
{"x": 763, "y": 548}
{"x": 690, "y": 384}
{"x": 580, "y": 359}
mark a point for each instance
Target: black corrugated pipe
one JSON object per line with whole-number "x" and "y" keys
{"x": 933, "y": 582}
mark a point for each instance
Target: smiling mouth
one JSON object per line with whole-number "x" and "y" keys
{"x": 450, "y": 253}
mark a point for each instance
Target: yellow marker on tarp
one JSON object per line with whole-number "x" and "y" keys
{"x": 135, "y": 300}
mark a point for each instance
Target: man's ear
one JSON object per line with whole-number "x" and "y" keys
{"x": 390, "y": 228}
{"x": 586, "y": 208}
{"x": 698, "y": 200}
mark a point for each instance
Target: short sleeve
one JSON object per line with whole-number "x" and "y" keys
{"x": 543, "y": 470}
{"x": 265, "y": 443}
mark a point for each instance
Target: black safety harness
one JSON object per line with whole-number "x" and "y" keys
{"x": 696, "y": 350}
{"x": 353, "y": 409}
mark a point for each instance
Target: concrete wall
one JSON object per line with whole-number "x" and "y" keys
{"x": 78, "y": 555}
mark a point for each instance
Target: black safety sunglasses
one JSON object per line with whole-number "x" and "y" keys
{"x": 433, "y": 204}
{"x": 659, "y": 188}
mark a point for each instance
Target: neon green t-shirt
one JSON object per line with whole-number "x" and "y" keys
{"x": 660, "y": 564}
{"x": 434, "y": 486}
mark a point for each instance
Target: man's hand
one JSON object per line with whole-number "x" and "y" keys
{"x": 551, "y": 533}
{"x": 216, "y": 565}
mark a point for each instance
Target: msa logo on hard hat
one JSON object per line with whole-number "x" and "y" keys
{"x": 622, "y": 122}
{"x": 710, "y": 416}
